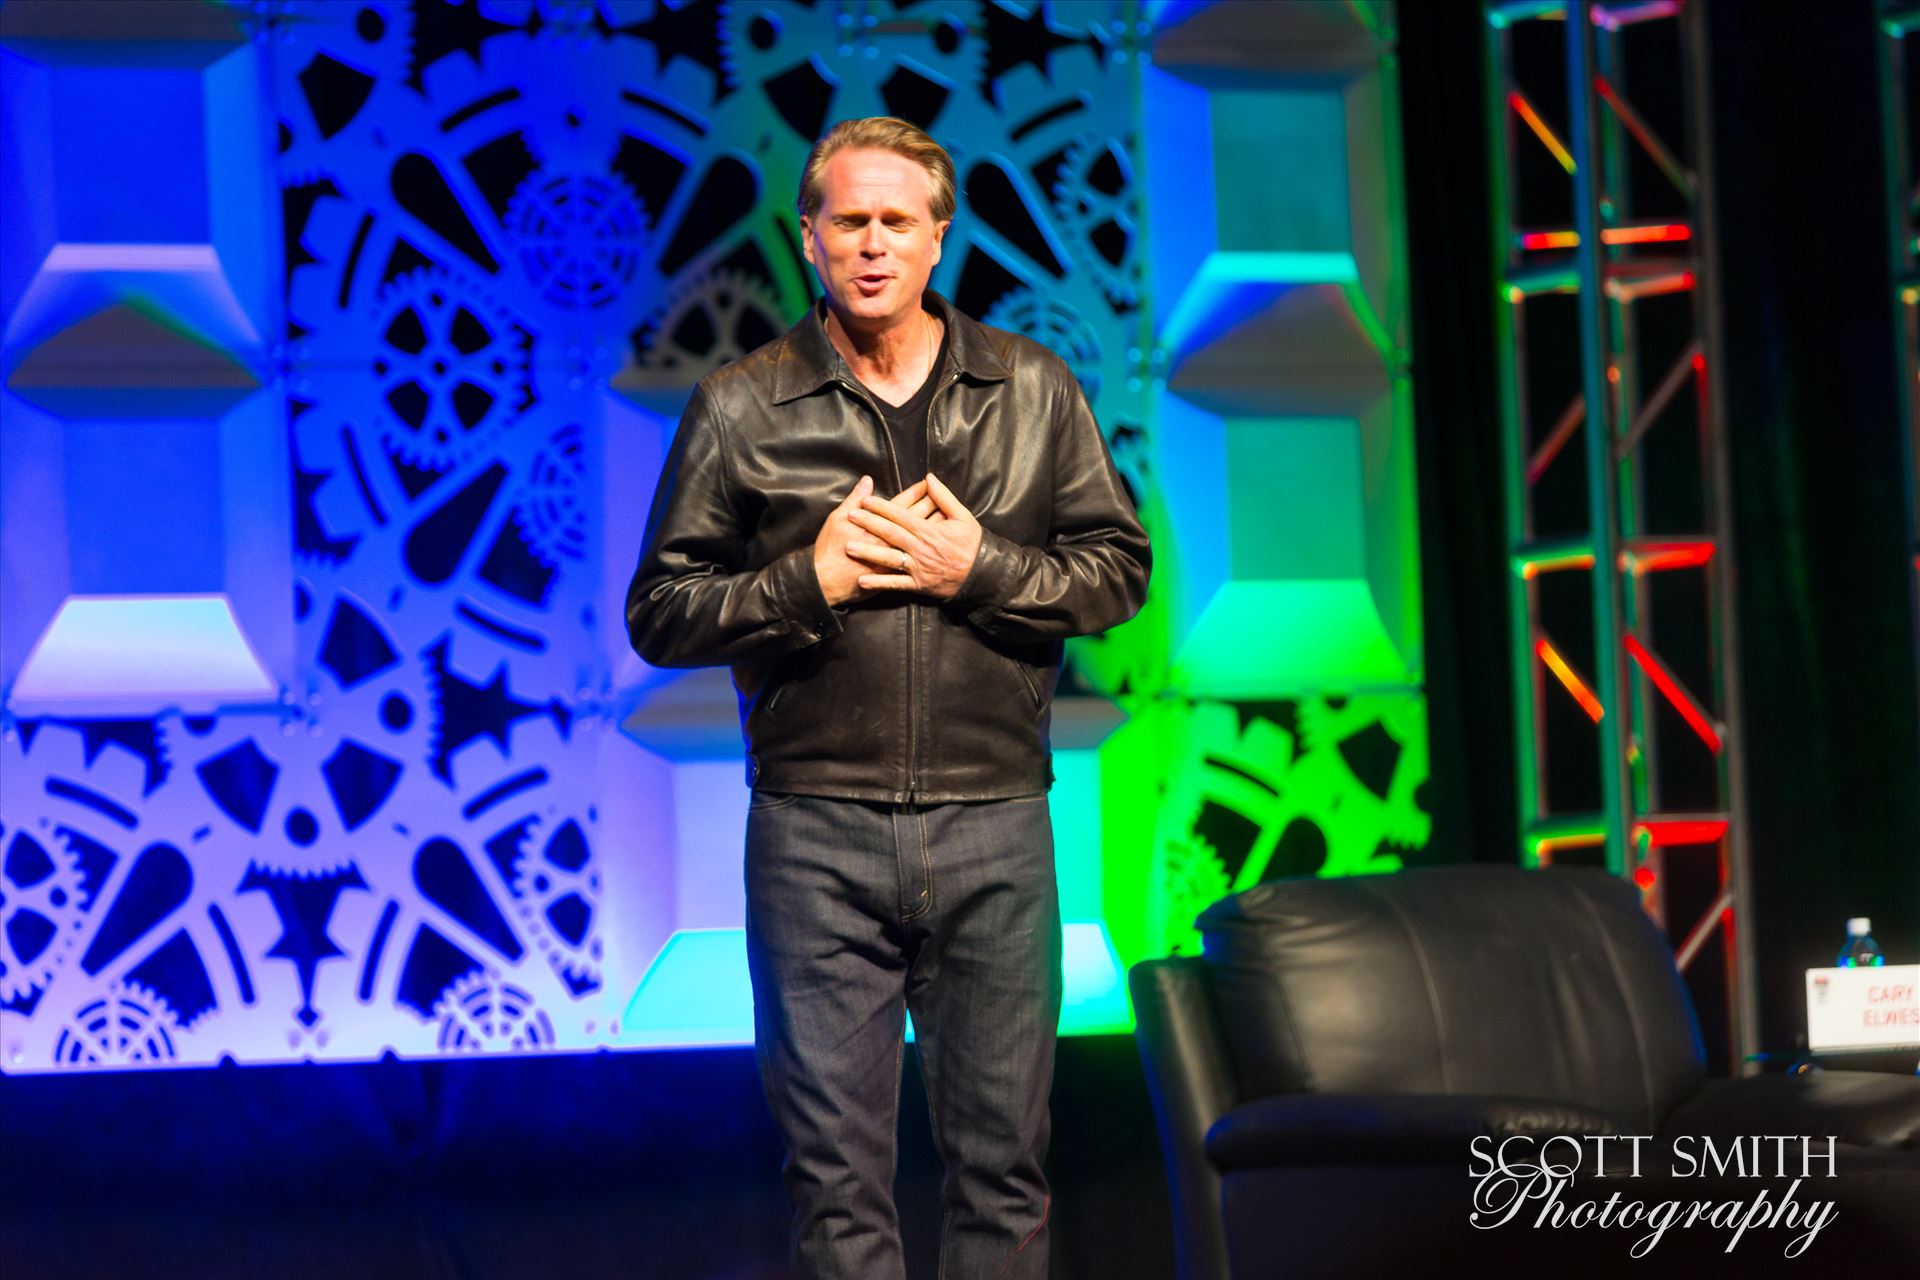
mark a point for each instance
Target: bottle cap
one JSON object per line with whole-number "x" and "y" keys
{"x": 1859, "y": 925}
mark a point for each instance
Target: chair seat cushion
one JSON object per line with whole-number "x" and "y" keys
{"x": 1407, "y": 1128}
{"x": 1863, "y": 1108}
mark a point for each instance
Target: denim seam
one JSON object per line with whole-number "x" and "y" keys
{"x": 893, "y": 1161}
{"x": 926, "y": 862}
{"x": 929, "y": 1075}
{"x": 926, "y": 866}
{"x": 899, "y": 863}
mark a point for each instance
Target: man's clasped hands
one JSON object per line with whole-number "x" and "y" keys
{"x": 922, "y": 539}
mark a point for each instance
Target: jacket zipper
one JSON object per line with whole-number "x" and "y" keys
{"x": 913, "y": 608}
{"x": 893, "y": 460}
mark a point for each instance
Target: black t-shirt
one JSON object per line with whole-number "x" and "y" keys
{"x": 907, "y": 423}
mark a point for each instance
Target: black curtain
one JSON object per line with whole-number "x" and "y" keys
{"x": 1825, "y": 625}
{"x": 1457, "y": 423}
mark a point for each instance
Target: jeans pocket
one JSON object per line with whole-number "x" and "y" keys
{"x": 762, "y": 800}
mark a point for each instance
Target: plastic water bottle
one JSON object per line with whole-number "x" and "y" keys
{"x": 1861, "y": 951}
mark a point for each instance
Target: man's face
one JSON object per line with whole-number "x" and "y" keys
{"x": 874, "y": 241}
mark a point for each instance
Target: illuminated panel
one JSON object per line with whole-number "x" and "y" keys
{"x": 1287, "y": 575}
{"x": 137, "y": 301}
{"x": 189, "y": 645}
{"x": 1284, "y": 581}
{"x": 183, "y": 520}
{"x": 698, "y": 990}
{"x": 153, "y": 181}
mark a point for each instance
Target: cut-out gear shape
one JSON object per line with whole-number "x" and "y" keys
{"x": 580, "y": 238}
{"x": 1304, "y": 779}
{"x": 52, "y": 896}
{"x": 538, "y": 882}
{"x": 719, "y": 304}
{"x": 115, "y": 1028}
{"x": 482, "y": 1011}
{"x": 469, "y": 347}
{"x": 761, "y": 41}
{"x": 1084, "y": 210}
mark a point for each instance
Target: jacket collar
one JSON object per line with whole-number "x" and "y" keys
{"x": 808, "y": 360}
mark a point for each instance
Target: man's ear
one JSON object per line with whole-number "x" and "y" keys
{"x": 806, "y": 236}
{"x": 939, "y": 234}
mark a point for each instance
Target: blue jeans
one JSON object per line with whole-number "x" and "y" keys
{"x": 856, "y": 912}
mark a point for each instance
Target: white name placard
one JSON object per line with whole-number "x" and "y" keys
{"x": 1864, "y": 1008}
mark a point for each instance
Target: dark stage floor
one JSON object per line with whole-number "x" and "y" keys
{"x": 630, "y": 1165}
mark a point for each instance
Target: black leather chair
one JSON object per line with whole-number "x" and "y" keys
{"x": 1320, "y": 1072}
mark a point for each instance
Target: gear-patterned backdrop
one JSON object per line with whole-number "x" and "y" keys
{"x": 461, "y": 262}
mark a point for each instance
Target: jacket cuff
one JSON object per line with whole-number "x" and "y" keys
{"x": 990, "y": 580}
{"x": 797, "y": 590}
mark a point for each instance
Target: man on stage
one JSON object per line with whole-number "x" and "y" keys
{"x": 896, "y": 661}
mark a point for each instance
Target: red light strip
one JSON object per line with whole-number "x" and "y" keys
{"x": 1567, "y": 676}
{"x": 1649, "y": 141}
{"x": 1656, "y": 557}
{"x": 1541, "y": 129}
{"x": 1628, "y": 288}
{"x": 1556, "y": 440}
{"x": 1663, "y": 833}
{"x": 1651, "y": 233}
{"x": 1682, "y": 701}
{"x": 1656, "y": 404}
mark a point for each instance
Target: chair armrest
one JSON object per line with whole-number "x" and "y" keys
{"x": 1377, "y": 1128}
{"x": 1190, "y": 1078}
{"x": 1864, "y": 1108}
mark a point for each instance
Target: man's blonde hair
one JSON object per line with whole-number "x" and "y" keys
{"x": 880, "y": 133}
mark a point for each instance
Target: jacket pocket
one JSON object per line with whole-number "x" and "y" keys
{"x": 773, "y": 703}
{"x": 1026, "y": 678}
{"x": 785, "y": 672}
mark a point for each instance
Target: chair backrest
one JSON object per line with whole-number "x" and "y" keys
{"x": 1460, "y": 979}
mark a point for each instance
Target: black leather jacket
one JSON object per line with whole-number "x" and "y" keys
{"x": 898, "y": 696}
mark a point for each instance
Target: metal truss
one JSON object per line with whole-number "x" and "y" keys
{"x": 1899, "y": 20}
{"x": 1614, "y": 454}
